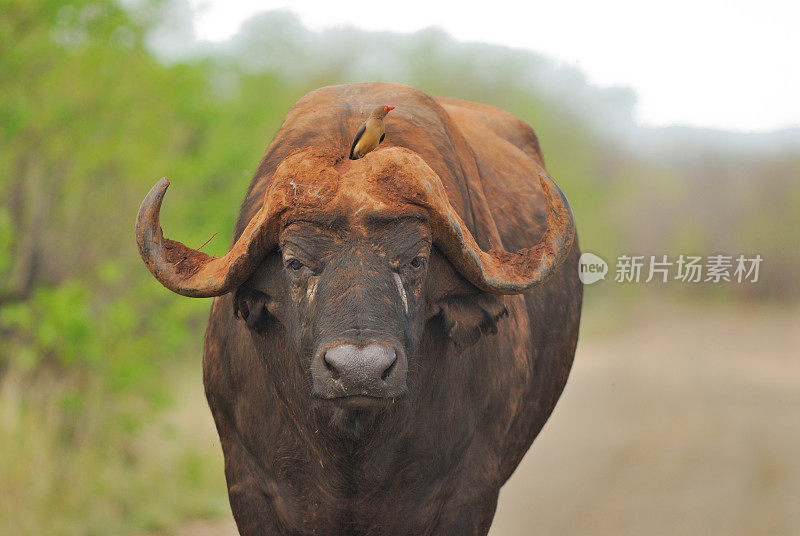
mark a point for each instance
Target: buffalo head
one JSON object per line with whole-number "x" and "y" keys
{"x": 352, "y": 259}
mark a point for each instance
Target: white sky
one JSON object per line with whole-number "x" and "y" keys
{"x": 727, "y": 64}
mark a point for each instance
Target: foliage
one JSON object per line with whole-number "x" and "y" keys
{"x": 88, "y": 345}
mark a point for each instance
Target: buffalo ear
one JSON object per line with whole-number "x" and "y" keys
{"x": 257, "y": 300}
{"x": 467, "y": 317}
{"x": 251, "y": 306}
{"x": 467, "y": 313}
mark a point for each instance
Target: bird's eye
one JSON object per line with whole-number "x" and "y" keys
{"x": 294, "y": 264}
{"x": 385, "y": 108}
{"x": 418, "y": 262}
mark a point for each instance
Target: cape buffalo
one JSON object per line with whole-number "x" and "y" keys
{"x": 391, "y": 333}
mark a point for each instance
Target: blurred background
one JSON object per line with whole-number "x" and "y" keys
{"x": 682, "y": 415}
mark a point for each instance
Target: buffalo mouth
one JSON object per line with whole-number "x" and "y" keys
{"x": 355, "y": 402}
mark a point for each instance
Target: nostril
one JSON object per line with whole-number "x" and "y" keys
{"x": 388, "y": 372}
{"x": 330, "y": 367}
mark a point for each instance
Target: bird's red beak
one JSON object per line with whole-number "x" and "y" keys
{"x": 391, "y": 108}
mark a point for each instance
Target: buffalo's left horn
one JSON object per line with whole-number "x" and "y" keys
{"x": 502, "y": 272}
{"x": 191, "y": 272}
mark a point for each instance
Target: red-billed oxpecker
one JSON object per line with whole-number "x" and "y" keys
{"x": 370, "y": 134}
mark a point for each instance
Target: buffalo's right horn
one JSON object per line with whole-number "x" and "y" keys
{"x": 191, "y": 272}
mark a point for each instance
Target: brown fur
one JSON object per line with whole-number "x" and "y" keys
{"x": 485, "y": 371}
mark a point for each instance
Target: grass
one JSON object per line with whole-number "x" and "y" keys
{"x": 80, "y": 478}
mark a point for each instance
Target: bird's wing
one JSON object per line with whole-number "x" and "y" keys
{"x": 360, "y": 133}
{"x": 382, "y": 136}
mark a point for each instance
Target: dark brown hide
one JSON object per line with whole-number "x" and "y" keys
{"x": 484, "y": 370}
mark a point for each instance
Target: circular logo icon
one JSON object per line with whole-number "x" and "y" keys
{"x": 591, "y": 268}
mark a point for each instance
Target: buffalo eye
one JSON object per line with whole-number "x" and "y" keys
{"x": 294, "y": 264}
{"x": 418, "y": 262}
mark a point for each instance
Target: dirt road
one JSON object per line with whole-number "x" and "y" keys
{"x": 687, "y": 423}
